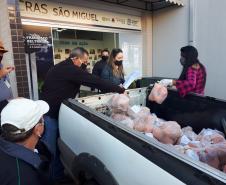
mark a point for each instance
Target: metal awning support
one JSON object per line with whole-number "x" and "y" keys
{"x": 147, "y": 5}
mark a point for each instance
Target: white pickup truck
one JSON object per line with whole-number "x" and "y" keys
{"x": 100, "y": 151}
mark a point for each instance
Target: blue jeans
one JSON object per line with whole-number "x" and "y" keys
{"x": 50, "y": 137}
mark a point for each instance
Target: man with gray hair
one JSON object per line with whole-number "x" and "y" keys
{"x": 63, "y": 81}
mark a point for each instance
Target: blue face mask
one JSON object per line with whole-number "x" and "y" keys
{"x": 182, "y": 61}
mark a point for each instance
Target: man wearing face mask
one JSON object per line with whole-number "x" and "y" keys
{"x": 5, "y": 88}
{"x": 193, "y": 75}
{"x": 85, "y": 61}
{"x": 99, "y": 66}
{"x": 22, "y": 127}
{"x": 63, "y": 81}
{"x": 113, "y": 71}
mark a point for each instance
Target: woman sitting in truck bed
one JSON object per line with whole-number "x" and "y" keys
{"x": 193, "y": 75}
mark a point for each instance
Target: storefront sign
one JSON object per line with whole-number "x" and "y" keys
{"x": 38, "y": 42}
{"x": 50, "y": 11}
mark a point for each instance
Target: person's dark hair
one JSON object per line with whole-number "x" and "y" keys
{"x": 9, "y": 133}
{"x": 78, "y": 52}
{"x": 115, "y": 52}
{"x": 190, "y": 53}
{"x": 105, "y": 50}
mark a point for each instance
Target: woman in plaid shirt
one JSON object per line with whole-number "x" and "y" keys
{"x": 193, "y": 75}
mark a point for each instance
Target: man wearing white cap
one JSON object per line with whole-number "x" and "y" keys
{"x": 22, "y": 127}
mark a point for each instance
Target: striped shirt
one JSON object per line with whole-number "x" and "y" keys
{"x": 193, "y": 83}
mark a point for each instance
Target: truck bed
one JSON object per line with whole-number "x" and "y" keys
{"x": 156, "y": 162}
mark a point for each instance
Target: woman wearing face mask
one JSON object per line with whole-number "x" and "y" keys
{"x": 193, "y": 75}
{"x": 113, "y": 71}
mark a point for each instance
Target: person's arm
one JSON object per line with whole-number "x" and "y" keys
{"x": 84, "y": 78}
{"x": 123, "y": 80}
{"x": 5, "y": 71}
{"x": 186, "y": 86}
{"x": 95, "y": 71}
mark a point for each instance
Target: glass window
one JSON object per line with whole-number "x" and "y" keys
{"x": 131, "y": 44}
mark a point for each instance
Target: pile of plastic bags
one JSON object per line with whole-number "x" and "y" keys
{"x": 209, "y": 146}
{"x": 140, "y": 118}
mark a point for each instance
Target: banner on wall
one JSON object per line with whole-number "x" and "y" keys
{"x": 53, "y": 11}
{"x": 39, "y": 51}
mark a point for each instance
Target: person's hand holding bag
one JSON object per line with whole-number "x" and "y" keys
{"x": 166, "y": 82}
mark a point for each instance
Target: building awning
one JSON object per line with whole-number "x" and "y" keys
{"x": 148, "y": 5}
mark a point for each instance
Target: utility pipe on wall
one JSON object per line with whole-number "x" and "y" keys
{"x": 192, "y": 22}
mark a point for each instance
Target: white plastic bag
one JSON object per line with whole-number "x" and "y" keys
{"x": 158, "y": 93}
{"x": 119, "y": 103}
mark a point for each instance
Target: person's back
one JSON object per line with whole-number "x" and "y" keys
{"x": 199, "y": 88}
{"x": 195, "y": 80}
{"x": 99, "y": 66}
{"x": 22, "y": 126}
{"x": 58, "y": 86}
{"x": 15, "y": 171}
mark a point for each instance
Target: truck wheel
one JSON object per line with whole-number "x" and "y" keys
{"x": 89, "y": 170}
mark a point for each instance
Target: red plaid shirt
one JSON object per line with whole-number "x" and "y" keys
{"x": 193, "y": 83}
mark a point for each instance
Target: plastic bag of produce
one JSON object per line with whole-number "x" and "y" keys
{"x": 179, "y": 148}
{"x": 214, "y": 155}
{"x": 192, "y": 154}
{"x": 210, "y": 136}
{"x": 158, "y": 93}
{"x": 184, "y": 140}
{"x": 138, "y": 111}
{"x": 188, "y": 131}
{"x": 208, "y": 132}
{"x": 168, "y": 132}
{"x": 144, "y": 124}
{"x": 119, "y": 116}
{"x": 123, "y": 118}
{"x": 128, "y": 122}
{"x": 119, "y": 103}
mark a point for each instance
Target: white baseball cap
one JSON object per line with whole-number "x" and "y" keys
{"x": 23, "y": 113}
